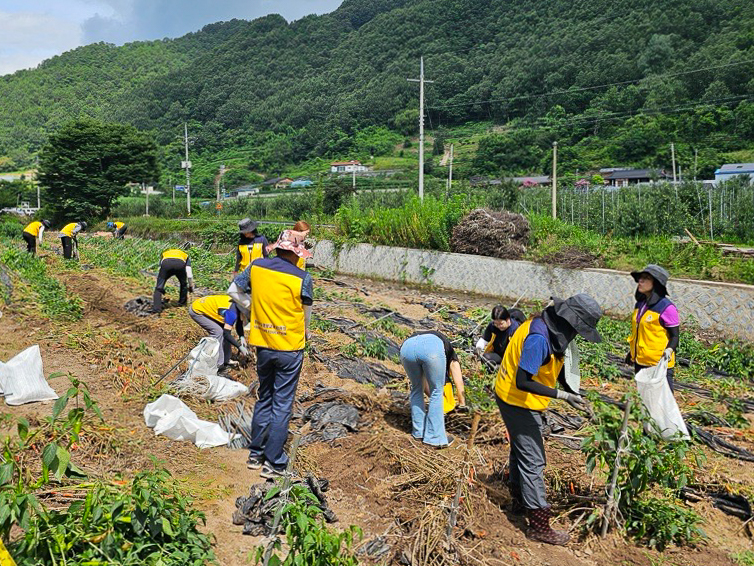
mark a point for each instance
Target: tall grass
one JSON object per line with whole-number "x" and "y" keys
{"x": 426, "y": 225}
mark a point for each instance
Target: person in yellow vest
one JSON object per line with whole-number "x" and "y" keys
{"x": 655, "y": 325}
{"x": 68, "y": 239}
{"x": 430, "y": 361}
{"x": 281, "y": 303}
{"x": 524, "y": 387}
{"x": 218, "y": 315}
{"x": 493, "y": 342}
{"x": 118, "y": 229}
{"x": 33, "y": 235}
{"x": 173, "y": 263}
{"x": 251, "y": 245}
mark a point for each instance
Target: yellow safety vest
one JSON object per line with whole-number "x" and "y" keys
{"x": 505, "y": 382}
{"x": 175, "y": 254}
{"x": 119, "y": 225}
{"x": 277, "y": 312}
{"x": 5, "y": 558}
{"x": 33, "y": 229}
{"x": 213, "y": 306}
{"x": 649, "y": 338}
{"x": 250, "y": 252}
{"x": 301, "y": 263}
{"x": 68, "y": 229}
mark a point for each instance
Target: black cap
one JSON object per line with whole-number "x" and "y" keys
{"x": 659, "y": 274}
{"x": 83, "y": 225}
{"x": 46, "y": 223}
{"x": 247, "y": 225}
{"x": 582, "y": 312}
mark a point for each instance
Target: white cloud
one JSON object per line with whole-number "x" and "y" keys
{"x": 29, "y": 38}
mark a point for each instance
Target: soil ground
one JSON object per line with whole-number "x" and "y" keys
{"x": 119, "y": 355}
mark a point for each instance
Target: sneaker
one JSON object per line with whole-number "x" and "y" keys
{"x": 451, "y": 440}
{"x": 254, "y": 463}
{"x": 270, "y": 472}
{"x": 233, "y": 363}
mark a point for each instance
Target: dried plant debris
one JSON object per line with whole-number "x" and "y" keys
{"x": 256, "y": 511}
{"x": 489, "y": 233}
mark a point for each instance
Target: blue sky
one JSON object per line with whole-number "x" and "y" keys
{"x": 34, "y": 30}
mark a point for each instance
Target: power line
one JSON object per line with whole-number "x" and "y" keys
{"x": 587, "y": 88}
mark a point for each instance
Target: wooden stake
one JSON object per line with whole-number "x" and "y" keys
{"x": 611, "y": 507}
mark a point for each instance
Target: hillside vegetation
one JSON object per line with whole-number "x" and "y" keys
{"x": 614, "y": 84}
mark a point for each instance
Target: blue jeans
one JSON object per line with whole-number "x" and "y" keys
{"x": 278, "y": 374}
{"x": 423, "y": 357}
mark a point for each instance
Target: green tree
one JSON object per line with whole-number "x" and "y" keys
{"x": 87, "y": 164}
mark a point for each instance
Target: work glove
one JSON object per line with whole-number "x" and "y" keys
{"x": 244, "y": 350}
{"x": 462, "y": 409}
{"x": 244, "y": 343}
{"x": 667, "y": 353}
{"x": 575, "y": 401}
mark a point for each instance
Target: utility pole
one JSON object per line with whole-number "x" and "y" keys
{"x": 220, "y": 180}
{"x": 187, "y": 166}
{"x": 696, "y": 161}
{"x": 450, "y": 173}
{"x": 672, "y": 154}
{"x": 353, "y": 178}
{"x": 146, "y": 190}
{"x": 172, "y": 186}
{"x": 554, "y": 179}
{"x": 421, "y": 82}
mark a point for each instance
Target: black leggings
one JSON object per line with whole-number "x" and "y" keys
{"x": 168, "y": 268}
{"x": 31, "y": 243}
{"x": 67, "y": 247}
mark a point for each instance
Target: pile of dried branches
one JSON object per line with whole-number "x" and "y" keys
{"x": 495, "y": 234}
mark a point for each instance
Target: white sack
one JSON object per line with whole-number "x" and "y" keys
{"x": 203, "y": 358}
{"x": 171, "y": 417}
{"x": 202, "y": 380}
{"x": 655, "y": 393}
{"x": 571, "y": 367}
{"x": 22, "y": 379}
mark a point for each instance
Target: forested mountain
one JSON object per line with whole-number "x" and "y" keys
{"x": 637, "y": 75}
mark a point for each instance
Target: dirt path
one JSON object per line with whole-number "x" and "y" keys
{"x": 117, "y": 354}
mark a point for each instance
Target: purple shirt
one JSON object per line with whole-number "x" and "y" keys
{"x": 668, "y": 318}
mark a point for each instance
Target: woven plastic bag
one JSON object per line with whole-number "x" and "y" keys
{"x": 655, "y": 393}
{"x": 22, "y": 379}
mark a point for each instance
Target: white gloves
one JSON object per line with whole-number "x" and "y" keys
{"x": 667, "y": 353}
{"x": 244, "y": 349}
{"x": 575, "y": 401}
{"x": 481, "y": 345}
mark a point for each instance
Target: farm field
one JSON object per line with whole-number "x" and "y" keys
{"x": 398, "y": 493}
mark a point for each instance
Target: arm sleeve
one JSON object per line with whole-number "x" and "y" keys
{"x": 487, "y": 333}
{"x": 76, "y": 229}
{"x": 265, "y": 243}
{"x": 524, "y": 382}
{"x": 534, "y": 353}
{"x": 41, "y": 233}
{"x": 674, "y": 333}
{"x": 239, "y": 325}
{"x": 307, "y": 289}
{"x": 238, "y": 259}
{"x": 229, "y": 337}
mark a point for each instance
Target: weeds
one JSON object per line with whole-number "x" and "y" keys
{"x": 56, "y": 301}
{"x": 651, "y": 474}
{"x": 309, "y": 541}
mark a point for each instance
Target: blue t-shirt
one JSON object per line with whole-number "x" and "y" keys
{"x": 231, "y": 315}
{"x": 536, "y": 350}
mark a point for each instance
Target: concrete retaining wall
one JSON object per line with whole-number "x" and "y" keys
{"x": 725, "y": 307}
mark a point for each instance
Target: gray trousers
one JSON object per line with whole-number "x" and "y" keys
{"x": 215, "y": 329}
{"x": 527, "y": 460}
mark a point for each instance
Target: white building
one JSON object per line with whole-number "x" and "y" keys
{"x": 347, "y": 166}
{"x": 730, "y": 170}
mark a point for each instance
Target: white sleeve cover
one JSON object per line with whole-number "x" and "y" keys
{"x": 41, "y": 232}
{"x": 189, "y": 272}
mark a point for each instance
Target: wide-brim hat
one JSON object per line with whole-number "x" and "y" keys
{"x": 582, "y": 312}
{"x": 247, "y": 225}
{"x": 46, "y": 223}
{"x": 293, "y": 242}
{"x": 659, "y": 274}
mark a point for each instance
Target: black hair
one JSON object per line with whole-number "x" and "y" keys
{"x": 499, "y": 312}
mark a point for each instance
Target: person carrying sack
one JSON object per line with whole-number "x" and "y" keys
{"x": 525, "y": 385}
{"x": 655, "y": 325}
